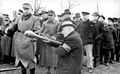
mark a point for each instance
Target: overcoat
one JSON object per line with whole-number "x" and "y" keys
{"x": 88, "y": 32}
{"x": 70, "y": 62}
{"x": 48, "y": 56}
{"x": 24, "y": 47}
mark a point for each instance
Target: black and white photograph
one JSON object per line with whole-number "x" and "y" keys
{"x": 59, "y": 36}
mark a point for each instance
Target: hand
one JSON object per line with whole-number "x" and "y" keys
{"x": 46, "y": 41}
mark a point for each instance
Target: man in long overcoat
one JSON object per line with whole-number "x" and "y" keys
{"x": 96, "y": 46}
{"x": 24, "y": 47}
{"x": 49, "y": 28}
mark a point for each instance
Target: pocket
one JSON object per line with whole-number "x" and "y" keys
{"x": 26, "y": 42}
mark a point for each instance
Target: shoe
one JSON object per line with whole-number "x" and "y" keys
{"x": 90, "y": 70}
{"x": 107, "y": 64}
{"x": 112, "y": 62}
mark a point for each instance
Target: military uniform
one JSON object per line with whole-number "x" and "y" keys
{"x": 24, "y": 48}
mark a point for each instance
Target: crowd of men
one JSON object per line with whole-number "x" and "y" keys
{"x": 94, "y": 41}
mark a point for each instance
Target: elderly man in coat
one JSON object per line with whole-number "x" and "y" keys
{"x": 24, "y": 47}
{"x": 70, "y": 51}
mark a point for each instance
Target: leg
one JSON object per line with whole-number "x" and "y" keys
{"x": 88, "y": 49}
{"x": 32, "y": 71}
{"x": 24, "y": 71}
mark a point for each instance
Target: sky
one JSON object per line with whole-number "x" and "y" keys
{"x": 109, "y": 8}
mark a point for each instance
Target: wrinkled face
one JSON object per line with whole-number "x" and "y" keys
{"x": 65, "y": 30}
{"x": 27, "y": 11}
{"x": 85, "y": 17}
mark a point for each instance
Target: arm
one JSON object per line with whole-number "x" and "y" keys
{"x": 66, "y": 48}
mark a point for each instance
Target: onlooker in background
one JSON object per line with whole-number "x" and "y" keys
{"x": 1, "y": 34}
{"x": 88, "y": 34}
{"x": 77, "y": 19}
{"x": 107, "y": 43}
{"x": 96, "y": 46}
{"x": 49, "y": 28}
{"x": 117, "y": 40}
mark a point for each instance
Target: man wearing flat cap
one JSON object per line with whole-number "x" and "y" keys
{"x": 88, "y": 34}
{"x": 25, "y": 47}
{"x": 96, "y": 47}
{"x": 50, "y": 28}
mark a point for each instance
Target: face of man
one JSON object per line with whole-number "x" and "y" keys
{"x": 51, "y": 16}
{"x": 109, "y": 22}
{"x": 85, "y": 17}
{"x": 101, "y": 19}
{"x": 95, "y": 17}
{"x": 26, "y": 10}
{"x": 44, "y": 15}
{"x": 67, "y": 15}
{"x": 66, "y": 30}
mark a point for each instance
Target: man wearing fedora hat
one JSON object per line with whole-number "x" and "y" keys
{"x": 66, "y": 15}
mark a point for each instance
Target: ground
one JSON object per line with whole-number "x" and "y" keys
{"x": 111, "y": 69}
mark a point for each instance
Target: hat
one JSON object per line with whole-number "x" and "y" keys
{"x": 77, "y": 15}
{"x": 67, "y": 23}
{"x": 67, "y": 11}
{"x": 95, "y": 14}
{"x": 51, "y": 12}
{"x": 59, "y": 15}
{"x": 5, "y": 15}
{"x": 43, "y": 12}
{"x": 110, "y": 19}
{"x": 85, "y": 13}
{"x": 102, "y": 16}
{"x": 115, "y": 19}
{"x": 27, "y": 5}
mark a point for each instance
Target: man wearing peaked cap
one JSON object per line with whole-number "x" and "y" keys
{"x": 95, "y": 14}
{"x": 88, "y": 33}
{"x": 67, "y": 11}
{"x": 51, "y": 12}
{"x": 43, "y": 12}
{"x": 85, "y": 13}
{"x": 23, "y": 46}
